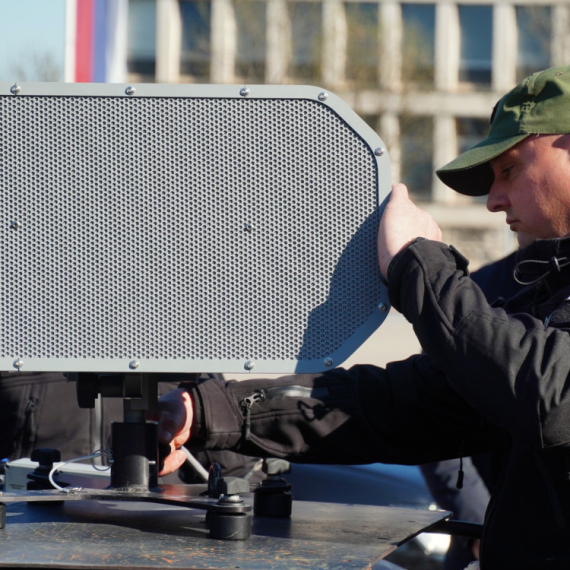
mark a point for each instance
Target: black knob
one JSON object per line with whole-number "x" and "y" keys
{"x": 46, "y": 456}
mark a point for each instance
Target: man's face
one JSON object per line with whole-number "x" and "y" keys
{"x": 532, "y": 186}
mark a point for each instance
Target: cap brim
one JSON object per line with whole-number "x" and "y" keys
{"x": 470, "y": 173}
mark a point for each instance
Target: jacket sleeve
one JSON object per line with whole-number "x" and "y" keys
{"x": 510, "y": 368}
{"x": 403, "y": 414}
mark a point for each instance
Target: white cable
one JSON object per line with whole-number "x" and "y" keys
{"x": 195, "y": 464}
{"x": 62, "y": 463}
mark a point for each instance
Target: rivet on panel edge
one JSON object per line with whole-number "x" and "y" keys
{"x": 244, "y": 91}
{"x": 328, "y": 361}
{"x": 383, "y": 307}
{"x": 18, "y": 363}
{"x": 379, "y": 151}
{"x": 323, "y": 96}
{"x": 134, "y": 364}
{"x": 130, "y": 90}
{"x": 249, "y": 365}
{"x": 15, "y": 89}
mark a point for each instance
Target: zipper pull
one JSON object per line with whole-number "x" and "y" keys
{"x": 31, "y": 419}
{"x": 246, "y": 405}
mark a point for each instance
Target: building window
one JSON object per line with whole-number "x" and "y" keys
{"x": 470, "y": 131}
{"x": 251, "y": 23}
{"x": 476, "y": 59}
{"x": 418, "y": 43}
{"x": 416, "y": 142}
{"x": 195, "y": 52}
{"x": 534, "y": 25}
{"x": 362, "y": 45}
{"x": 141, "y": 58}
{"x": 306, "y": 22}
{"x": 373, "y": 121}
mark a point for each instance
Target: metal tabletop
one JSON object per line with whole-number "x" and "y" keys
{"x": 139, "y": 535}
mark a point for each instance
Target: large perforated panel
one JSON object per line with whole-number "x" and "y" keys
{"x": 186, "y": 229}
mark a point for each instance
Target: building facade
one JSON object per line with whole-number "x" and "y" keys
{"x": 424, "y": 74}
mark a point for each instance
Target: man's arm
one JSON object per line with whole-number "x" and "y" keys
{"x": 403, "y": 414}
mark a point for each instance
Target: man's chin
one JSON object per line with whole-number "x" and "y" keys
{"x": 524, "y": 239}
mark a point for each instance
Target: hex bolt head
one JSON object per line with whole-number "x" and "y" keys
{"x": 379, "y": 151}
{"x": 328, "y": 361}
{"x": 134, "y": 364}
{"x": 249, "y": 365}
{"x": 15, "y": 89}
{"x": 18, "y": 363}
{"x": 323, "y": 96}
{"x": 244, "y": 91}
{"x": 130, "y": 90}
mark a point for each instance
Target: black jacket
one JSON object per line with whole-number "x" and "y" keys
{"x": 493, "y": 378}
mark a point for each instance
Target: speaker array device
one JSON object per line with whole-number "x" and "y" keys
{"x": 186, "y": 228}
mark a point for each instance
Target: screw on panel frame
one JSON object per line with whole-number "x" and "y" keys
{"x": 134, "y": 364}
{"x": 323, "y": 96}
{"x": 18, "y": 363}
{"x": 15, "y": 89}
{"x": 328, "y": 362}
{"x": 383, "y": 307}
{"x": 249, "y": 365}
{"x": 15, "y": 225}
{"x": 130, "y": 90}
{"x": 379, "y": 151}
{"x": 244, "y": 91}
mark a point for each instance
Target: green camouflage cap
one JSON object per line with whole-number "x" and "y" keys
{"x": 540, "y": 104}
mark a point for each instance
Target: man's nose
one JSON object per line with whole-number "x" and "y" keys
{"x": 497, "y": 200}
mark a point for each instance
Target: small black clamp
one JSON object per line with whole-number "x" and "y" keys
{"x": 273, "y": 497}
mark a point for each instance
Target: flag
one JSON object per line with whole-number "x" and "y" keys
{"x": 96, "y": 41}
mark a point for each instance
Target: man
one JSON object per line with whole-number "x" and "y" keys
{"x": 491, "y": 378}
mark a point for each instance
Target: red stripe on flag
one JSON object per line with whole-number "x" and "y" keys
{"x": 84, "y": 41}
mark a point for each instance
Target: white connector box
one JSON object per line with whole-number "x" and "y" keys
{"x": 76, "y": 474}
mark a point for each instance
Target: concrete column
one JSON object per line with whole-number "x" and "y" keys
{"x": 334, "y": 43}
{"x": 390, "y": 42}
{"x": 278, "y": 41}
{"x": 168, "y": 41}
{"x": 560, "y": 44}
{"x": 447, "y": 47}
{"x": 224, "y": 41}
{"x": 445, "y": 149}
{"x": 390, "y": 134}
{"x": 505, "y": 47}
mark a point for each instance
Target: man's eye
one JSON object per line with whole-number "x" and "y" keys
{"x": 506, "y": 171}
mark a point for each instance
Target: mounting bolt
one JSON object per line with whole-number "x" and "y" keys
{"x": 130, "y": 90}
{"x": 328, "y": 361}
{"x": 383, "y": 307}
{"x": 15, "y": 225}
{"x": 323, "y": 96}
{"x": 244, "y": 91}
{"x": 134, "y": 364}
{"x": 18, "y": 363}
{"x": 379, "y": 151}
{"x": 249, "y": 365}
{"x": 249, "y": 228}
{"x": 15, "y": 89}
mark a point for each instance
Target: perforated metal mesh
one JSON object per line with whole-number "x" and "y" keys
{"x": 183, "y": 229}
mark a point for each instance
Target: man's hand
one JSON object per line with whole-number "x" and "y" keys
{"x": 174, "y": 416}
{"x": 401, "y": 223}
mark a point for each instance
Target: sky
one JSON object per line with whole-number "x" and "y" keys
{"x": 31, "y": 39}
